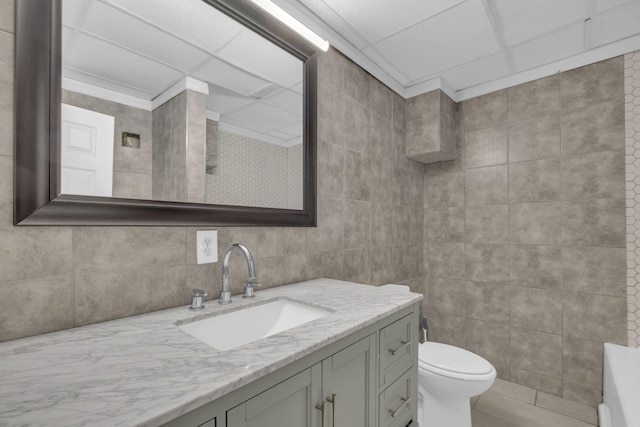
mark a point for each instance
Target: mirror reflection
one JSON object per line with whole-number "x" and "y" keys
{"x": 175, "y": 101}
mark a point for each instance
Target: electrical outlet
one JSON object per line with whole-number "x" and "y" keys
{"x": 207, "y": 246}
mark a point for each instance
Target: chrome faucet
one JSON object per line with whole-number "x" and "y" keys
{"x": 225, "y": 293}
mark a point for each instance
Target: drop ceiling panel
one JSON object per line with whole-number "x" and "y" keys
{"x": 436, "y": 44}
{"x": 294, "y": 129}
{"x": 375, "y": 20}
{"x": 566, "y": 42}
{"x": 602, "y": 5}
{"x": 524, "y": 20}
{"x": 73, "y": 11}
{"x": 615, "y": 24}
{"x": 222, "y": 100}
{"x": 121, "y": 29}
{"x": 195, "y": 21}
{"x": 114, "y": 64}
{"x": 263, "y": 116}
{"x": 222, "y": 74}
{"x": 287, "y": 100}
{"x": 263, "y": 58}
{"x": 476, "y": 72}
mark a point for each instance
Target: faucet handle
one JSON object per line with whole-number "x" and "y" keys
{"x": 248, "y": 289}
{"x": 196, "y": 299}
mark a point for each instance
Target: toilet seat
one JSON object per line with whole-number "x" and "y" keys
{"x": 453, "y": 362}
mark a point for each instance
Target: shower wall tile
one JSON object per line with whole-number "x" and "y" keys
{"x": 536, "y": 266}
{"x": 487, "y": 263}
{"x": 485, "y": 111}
{"x": 486, "y": 186}
{"x": 486, "y": 147}
{"x": 535, "y": 138}
{"x": 594, "y": 176}
{"x": 543, "y": 165}
{"x": 488, "y": 302}
{"x": 537, "y": 309}
{"x": 535, "y": 223}
{"x": 594, "y": 223}
{"x": 535, "y": 181}
{"x": 534, "y": 99}
{"x": 444, "y": 190}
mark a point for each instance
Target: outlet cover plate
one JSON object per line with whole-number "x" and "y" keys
{"x": 207, "y": 246}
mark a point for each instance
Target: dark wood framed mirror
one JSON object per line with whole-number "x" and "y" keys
{"x": 37, "y": 180}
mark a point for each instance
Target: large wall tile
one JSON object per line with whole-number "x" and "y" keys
{"x": 399, "y": 111}
{"x": 485, "y": 147}
{"x": 35, "y": 306}
{"x": 332, "y": 69}
{"x": 29, "y": 253}
{"x": 330, "y": 169}
{"x": 594, "y": 223}
{"x": 534, "y": 181}
{"x": 593, "y": 176}
{"x": 6, "y": 57}
{"x": 382, "y": 184}
{"x": 582, "y": 362}
{"x": 331, "y": 120}
{"x": 98, "y": 250}
{"x": 447, "y": 295}
{"x": 485, "y": 111}
{"x": 401, "y": 225}
{"x": 581, "y": 394}
{"x": 487, "y": 224}
{"x": 447, "y": 260}
{"x": 6, "y": 15}
{"x": 488, "y": 302}
{"x": 537, "y": 309}
{"x": 444, "y": 190}
{"x": 357, "y": 224}
{"x": 536, "y": 266}
{"x": 537, "y": 352}
{"x": 329, "y": 234}
{"x": 325, "y": 264}
{"x": 357, "y": 127}
{"x": 489, "y": 340}
{"x": 6, "y": 119}
{"x": 596, "y": 270}
{"x": 487, "y": 263}
{"x": 382, "y": 267}
{"x": 591, "y": 84}
{"x": 94, "y": 301}
{"x": 534, "y": 99}
{"x": 357, "y": 265}
{"x": 446, "y": 328}
{"x": 540, "y": 382}
{"x": 446, "y": 225}
{"x": 357, "y": 85}
{"x": 536, "y": 138}
{"x": 595, "y": 317}
{"x": 486, "y": 186}
{"x": 357, "y": 176}
{"x": 382, "y": 224}
{"x": 382, "y": 146}
{"x": 535, "y": 223}
{"x": 596, "y": 127}
{"x": 381, "y": 98}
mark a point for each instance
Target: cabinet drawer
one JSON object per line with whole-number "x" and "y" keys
{"x": 395, "y": 350}
{"x": 396, "y": 405}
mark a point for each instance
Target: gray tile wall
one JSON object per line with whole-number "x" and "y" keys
{"x": 131, "y": 166}
{"x": 369, "y": 223}
{"x": 526, "y": 230}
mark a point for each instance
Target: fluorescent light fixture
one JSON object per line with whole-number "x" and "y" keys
{"x": 291, "y": 22}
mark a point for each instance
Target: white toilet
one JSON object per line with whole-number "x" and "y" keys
{"x": 448, "y": 377}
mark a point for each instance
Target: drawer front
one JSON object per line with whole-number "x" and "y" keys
{"x": 395, "y": 350}
{"x": 396, "y": 403}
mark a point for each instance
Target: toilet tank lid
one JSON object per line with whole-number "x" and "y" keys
{"x": 453, "y": 359}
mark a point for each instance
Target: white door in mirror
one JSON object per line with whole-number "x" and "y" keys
{"x": 86, "y": 152}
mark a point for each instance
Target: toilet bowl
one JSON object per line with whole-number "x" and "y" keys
{"x": 448, "y": 377}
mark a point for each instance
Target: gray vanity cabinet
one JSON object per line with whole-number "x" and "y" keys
{"x": 367, "y": 379}
{"x": 290, "y": 403}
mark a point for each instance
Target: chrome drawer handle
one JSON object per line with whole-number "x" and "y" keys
{"x": 405, "y": 402}
{"x": 393, "y": 351}
{"x": 333, "y": 402}
{"x": 322, "y": 407}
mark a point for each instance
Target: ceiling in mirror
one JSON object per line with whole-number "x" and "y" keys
{"x": 139, "y": 51}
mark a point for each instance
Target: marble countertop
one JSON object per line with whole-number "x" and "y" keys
{"x": 144, "y": 371}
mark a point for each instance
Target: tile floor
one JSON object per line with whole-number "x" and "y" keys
{"x": 507, "y": 404}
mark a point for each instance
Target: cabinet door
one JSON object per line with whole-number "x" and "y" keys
{"x": 350, "y": 376}
{"x": 290, "y": 403}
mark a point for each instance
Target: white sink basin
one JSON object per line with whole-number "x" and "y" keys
{"x": 236, "y": 328}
